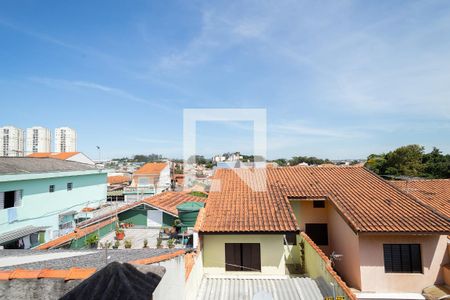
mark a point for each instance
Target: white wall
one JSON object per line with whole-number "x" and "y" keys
{"x": 172, "y": 285}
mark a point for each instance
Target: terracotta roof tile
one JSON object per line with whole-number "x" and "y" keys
{"x": 24, "y": 274}
{"x": 49, "y": 273}
{"x": 367, "y": 202}
{"x": 79, "y": 273}
{"x": 57, "y": 155}
{"x": 4, "y": 275}
{"x": 168, "y": 201}
{"x": 151, "y": 168}
{"x": 329, "y": 268}
{"x": 118, "y": 179}
{"x": 433, "y": 192}
{"x": 156, "y": 259}
{"x": 76, "y": 234}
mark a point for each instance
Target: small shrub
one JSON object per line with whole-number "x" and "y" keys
{"x": 127, "y": 244}
{"x": 106, "y": 245}
{"x": 116, "y": 245}
{"x": 171, "y": 243}
{"x": 159, "y": 242}
{"x": 92, "y": 241}
{"x": 145, "y": 243}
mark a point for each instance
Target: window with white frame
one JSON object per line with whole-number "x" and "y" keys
{"x": 10, "y": 199}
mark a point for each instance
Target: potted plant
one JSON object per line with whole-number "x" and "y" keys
{"x": 116, "y": 245}
{"x": 159, "y": 242}
{"x": 92, "y": 241}
{"x": 145, "y": 243}
{"x": 120, "y": 234}
{"x": 106, "y": 245}
{"x": 171, "y": 243}
{"x": 127, "y": 244}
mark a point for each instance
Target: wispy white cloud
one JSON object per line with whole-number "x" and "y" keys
{"x": 122, "y": 94}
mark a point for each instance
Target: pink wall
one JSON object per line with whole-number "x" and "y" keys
{"x": 373, "y": 276}
{"x": 344, "y": 241}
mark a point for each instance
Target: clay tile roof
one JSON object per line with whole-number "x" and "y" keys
{"x": 49, "y": 273}
{"x": 168, "y": 201}
{"x": 57, "y": 155}
{"x": 76, "y": 234}
{"x": 24, "y": 274}
{"x": 433, "y": 192}
{"x": 200, "y": 220}
{"x": 118, "y": 179}
{"x": 365, "y": 201}
{"x": 151, "y": 168}
{"x": 79, "y": 273}
{"x": 4, "y": 275}
{"x": 157, "y": 259}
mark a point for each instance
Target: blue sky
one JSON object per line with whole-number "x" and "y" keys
{"x": 339, "y": 79}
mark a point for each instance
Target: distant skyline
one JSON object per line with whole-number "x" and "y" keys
{"x": 339, "y": 79}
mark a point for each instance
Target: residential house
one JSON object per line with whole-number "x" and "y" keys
{"x": 378, "y": 238}
{"x": 148, "y": 180}
{"x": 153, "y": 212}
{"x": 40, "y": 198}
{"x": 70, "y": 156}
{"x": 116, "y": 183}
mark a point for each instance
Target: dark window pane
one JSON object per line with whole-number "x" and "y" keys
{"x": 387, "y": 258}
{"x": 51, "y": 188}
{"x": 402, "y": 258}
{"x": 318, "y": 233}
{"x": 416, "y": 259}
{"x": 232, "y": 257}
{"x": 291, "y": 238}
{"x": 318, "y": 204}
{"x": 9, "y": 199}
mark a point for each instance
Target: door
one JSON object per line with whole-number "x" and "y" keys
{"x": 154, "y": 218}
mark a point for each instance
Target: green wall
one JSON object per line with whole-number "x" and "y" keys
{"x": 168, "y": 219}
{"x": 137, "y": 216}
{"x": 81, "y": 243}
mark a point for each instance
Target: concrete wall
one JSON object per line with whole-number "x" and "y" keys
{"x": 272, "y": 252}
{"x": 172, "y": 285}
{"x": 42, "y": 208}
{"x": 194, "y": 280}
{"x": 373, "y": 277}
{"x": 343, "y": 240}
{"x": 317, "y": 268}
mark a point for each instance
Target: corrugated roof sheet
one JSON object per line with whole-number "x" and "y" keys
{"x": 366, "y": 201}
{"x": 26, "y": 165}
{"x": 302, "y": 288}
{"x": 19, "y": 233}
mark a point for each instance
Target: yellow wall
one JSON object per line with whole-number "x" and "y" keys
{"x": 272, "y": 252}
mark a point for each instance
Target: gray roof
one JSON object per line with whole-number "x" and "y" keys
{"x": 19, "y": 233}
{"x": 302, "y": 288}
{"x": 55, "y": 288}
{"x": 26, "y": 165}
{"x": 94, "y": 259}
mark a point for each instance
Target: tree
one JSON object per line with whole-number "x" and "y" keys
{"x": 411, "y": 161}
{"x": 406, "y": 160}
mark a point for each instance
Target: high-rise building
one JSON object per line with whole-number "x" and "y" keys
{"x": 65, "y": 139}
{"x": 11, "y": 141}
{"x": 38, "y": 140}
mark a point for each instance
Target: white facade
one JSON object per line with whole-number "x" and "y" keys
{"x": 38, "y": 140}
{"x": 11, "y": 141}
{"x": 65, "y": 139}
